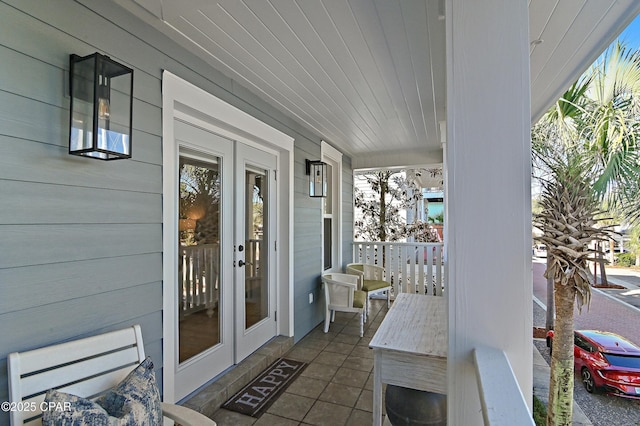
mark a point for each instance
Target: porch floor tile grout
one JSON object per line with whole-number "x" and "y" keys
{"x": 336, "y": 388}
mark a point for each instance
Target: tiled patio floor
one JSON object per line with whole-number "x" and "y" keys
{"x": 336, "y": 387}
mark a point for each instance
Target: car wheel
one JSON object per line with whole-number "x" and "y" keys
{"x": 587, "y": 379}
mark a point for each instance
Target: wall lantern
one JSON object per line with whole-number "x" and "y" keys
{"x": 317, "y": 171}
{"x": 101, "y": 93}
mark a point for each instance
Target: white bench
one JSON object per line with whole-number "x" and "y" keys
{"x": 84, "y": 367}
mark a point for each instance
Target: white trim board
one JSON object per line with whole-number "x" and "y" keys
{"x": 183, "y": 100}
{"x": 332, "y": 155}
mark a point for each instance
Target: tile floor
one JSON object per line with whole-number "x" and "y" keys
{"x": 336, "y": 388}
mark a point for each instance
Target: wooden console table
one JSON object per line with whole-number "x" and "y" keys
{"x": 410, "y": 347}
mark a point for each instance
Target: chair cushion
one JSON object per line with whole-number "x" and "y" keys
{"x": 359, "y": 299}
{"x": 133, "y": 401}
{"x": 373, "y": 285}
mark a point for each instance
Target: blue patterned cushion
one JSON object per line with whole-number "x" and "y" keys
{"x": 77, "y": 411}
{"x": 133, "y": 402}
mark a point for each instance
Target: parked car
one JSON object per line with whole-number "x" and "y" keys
{"x": 540, "y": 250}
{"x": 616, "y": 250}
{"x": 606, "y": 361}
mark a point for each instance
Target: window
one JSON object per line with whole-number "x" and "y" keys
{"x": 327, "y": 216}
{"x": 331, "y": 212}
{"x": 582, "y": 343}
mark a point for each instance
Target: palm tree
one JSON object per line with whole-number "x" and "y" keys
{"x": 568, "y": 219}
{"x": 585, "y": 156}
{"x": 558, "y": 130}
{"x": 599, "y": 115}
{"x": 610, "y": 125}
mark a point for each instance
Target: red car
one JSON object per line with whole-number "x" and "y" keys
{"x": 608, "y": 361}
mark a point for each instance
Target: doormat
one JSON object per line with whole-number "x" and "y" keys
{"x": 257, "y": 396}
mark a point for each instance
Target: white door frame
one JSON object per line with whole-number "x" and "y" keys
{"x": 184, "y": 101}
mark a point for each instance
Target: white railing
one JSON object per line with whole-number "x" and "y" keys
{"x": 252, "y": 258}
{"x": 503, "y": 403}
{"x": 409, "y": 267}
{"x": 198, "y": 276}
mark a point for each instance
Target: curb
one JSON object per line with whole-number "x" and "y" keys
{"x": 541, "y": 372}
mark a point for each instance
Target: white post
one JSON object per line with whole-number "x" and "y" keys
{"x": 488, "y": 195}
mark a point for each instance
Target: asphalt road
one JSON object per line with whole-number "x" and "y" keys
{"x": 605, "y": 313}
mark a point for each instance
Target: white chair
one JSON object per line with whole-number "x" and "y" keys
{"x": 371, "y": 280}
{"x": 341, "y": 294}
{"x": 84, "y": 367}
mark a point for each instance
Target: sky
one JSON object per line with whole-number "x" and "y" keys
{"x": 631, "y": 35}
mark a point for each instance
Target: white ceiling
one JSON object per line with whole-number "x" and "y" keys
{"x": 369, "y": 76}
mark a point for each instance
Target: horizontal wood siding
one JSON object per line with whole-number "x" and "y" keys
{"x": 307, "y": 245}
{"x": 80, "y": 252}
{"x": 347, "y": 212}
{"x": 81, "y": 240}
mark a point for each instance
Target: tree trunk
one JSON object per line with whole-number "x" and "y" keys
{"x": 598, "y": 262}
{"x": 551, "y": 308}
{"x": 612, "y": 246}
{"x": 382, "y": 233}
{"x": 603, "y": 273}
{"x": 560, "y": 410}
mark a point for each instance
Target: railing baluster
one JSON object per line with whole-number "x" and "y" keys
{"x": 439, "y": 283}
{"x": 403, "y": 265}
{"x": 421, "y": 251}
{"x": 393, "y": 268}
{"x": 198, "y": 278}
{"x": 411, "y": 270}
{"x": 386, "y": 258}
{"x": 374, "y": 253}
{"x": 413, "y": 267}
{"x": 429, "y": 279}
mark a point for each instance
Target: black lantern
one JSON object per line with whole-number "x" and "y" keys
{"x": 101, "y": 107}
{"x": 317, "y": 171}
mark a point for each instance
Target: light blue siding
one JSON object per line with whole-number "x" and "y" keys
{"x": 80, "y": 239}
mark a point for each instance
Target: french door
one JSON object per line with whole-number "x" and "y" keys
{"x": 255, "y": 246}
{"x": 226, "y": 260}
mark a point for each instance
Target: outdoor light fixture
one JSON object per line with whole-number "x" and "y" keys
{"x": 101, "y": 93}
{"x": 317, "y": 171}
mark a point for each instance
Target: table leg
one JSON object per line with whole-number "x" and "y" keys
{"x": 377, "y": 389}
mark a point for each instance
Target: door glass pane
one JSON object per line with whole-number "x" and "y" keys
{"x": 327, "y": 243}
{"x": 198, "y": 256}
{"x": 256, "y": 228}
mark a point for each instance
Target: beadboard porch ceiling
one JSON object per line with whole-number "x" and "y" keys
{"x": 369, "y": 76}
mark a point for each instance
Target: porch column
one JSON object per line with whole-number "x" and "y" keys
{"x": 488, "y": 195}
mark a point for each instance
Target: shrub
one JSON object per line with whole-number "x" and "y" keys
{"x": 625, "y": 259}
{"x": 539, "y": 412}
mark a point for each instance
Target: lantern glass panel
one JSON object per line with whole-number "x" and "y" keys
{"x": 82, "y": 96}
{"x": 101, "y": 106}
{"x": 317, "y": 179}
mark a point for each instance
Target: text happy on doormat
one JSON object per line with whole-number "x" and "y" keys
{"x": 258, "y": 395}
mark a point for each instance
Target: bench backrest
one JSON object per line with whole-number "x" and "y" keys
{"x": 84, "y": 367}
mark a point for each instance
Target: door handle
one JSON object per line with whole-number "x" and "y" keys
{"x": 241, "y": 263}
